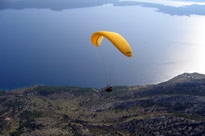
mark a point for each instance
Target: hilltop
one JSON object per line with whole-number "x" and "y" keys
{"x": 174, "y": 107}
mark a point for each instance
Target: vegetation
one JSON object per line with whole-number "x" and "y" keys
{"x": 175, "y": 107}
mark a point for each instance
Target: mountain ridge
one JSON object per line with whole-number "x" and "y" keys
{"x": 186, "y": 77}
{"x": 174, "y": 107}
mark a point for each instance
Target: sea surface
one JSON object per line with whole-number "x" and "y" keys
{"x": 47, "y": 42}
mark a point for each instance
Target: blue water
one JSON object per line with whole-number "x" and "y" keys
{"x": 49, "y": 43}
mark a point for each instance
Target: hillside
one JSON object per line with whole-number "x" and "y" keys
{"x": 174, "y": 107}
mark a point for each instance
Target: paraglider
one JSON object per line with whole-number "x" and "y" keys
{"x": 108, "y": 89}
{"x": 117, "y": 40}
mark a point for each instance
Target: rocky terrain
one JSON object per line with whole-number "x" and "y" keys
{"x": 175, "y": 107}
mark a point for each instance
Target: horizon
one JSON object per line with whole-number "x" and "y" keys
{"x": 103, "y": 87}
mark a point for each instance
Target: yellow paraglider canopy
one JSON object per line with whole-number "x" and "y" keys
{"x": 120, "y": 43}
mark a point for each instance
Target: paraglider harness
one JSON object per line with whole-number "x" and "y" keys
{"x": 108, "y": 89}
